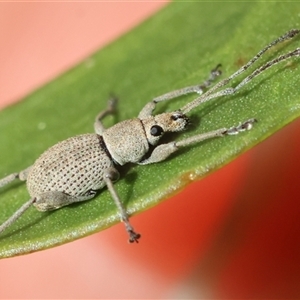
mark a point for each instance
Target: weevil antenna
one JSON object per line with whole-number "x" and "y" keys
{"x": 211, "y": 94}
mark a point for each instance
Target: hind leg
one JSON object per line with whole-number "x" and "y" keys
{"x": 54, "y": 200}
{"x": 46, "y": 201}
{"x": 8, "y": 179}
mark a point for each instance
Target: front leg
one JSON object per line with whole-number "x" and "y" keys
{"x": 163, "y": 151}
{"x": 199, "y": 89}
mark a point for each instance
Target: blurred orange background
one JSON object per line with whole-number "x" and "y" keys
{"x": 241, "y": 238}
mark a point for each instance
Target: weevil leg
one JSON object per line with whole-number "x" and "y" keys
{"x": 163, "y": 151}
{"x": 45, "y": 202}
{"x": 8, "y": 179}
{"x": 56, "y": 199}
{"x": 16, "y": 214}
{"x": 111, "y": 108}
{"x": 111, "y": 175}
{"x": 199, "y": 89}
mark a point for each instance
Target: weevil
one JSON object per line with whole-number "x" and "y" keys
{"x": 75, "y": 169}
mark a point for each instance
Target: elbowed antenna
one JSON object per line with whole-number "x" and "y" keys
{"x": 211, "y": 94}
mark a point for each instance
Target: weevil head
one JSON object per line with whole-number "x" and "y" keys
{"x": 156, "y": 126}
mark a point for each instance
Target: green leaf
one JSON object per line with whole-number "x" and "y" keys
{"x": 178, "y": 47}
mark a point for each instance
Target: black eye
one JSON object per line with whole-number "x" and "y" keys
{"x": 156, "y": 130}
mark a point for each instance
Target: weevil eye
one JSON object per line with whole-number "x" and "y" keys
{"x": 156, "y": 130}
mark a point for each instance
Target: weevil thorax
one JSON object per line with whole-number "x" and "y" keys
{"x": 130, "y": 140}
{"x": 126, "y": 141}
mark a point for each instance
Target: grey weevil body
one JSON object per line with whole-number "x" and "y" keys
{"x": 74, "y": 169}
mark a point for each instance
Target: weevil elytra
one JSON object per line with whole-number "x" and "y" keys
{"x": 73, "y": 170}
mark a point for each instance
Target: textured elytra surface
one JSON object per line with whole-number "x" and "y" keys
{"x": 74, "y": 166}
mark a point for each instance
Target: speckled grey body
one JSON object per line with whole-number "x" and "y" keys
{"x": 74, "y": 167}
{"x": 72, "y": 170}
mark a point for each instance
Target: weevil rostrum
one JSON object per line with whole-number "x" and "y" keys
{"x": 75, "y": 169}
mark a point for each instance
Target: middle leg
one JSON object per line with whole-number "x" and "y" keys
{"x": 111, "y": 175}
{"x": 111, "y": 108}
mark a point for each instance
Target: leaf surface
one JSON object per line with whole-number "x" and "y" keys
{"x": 177, "y": 47}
